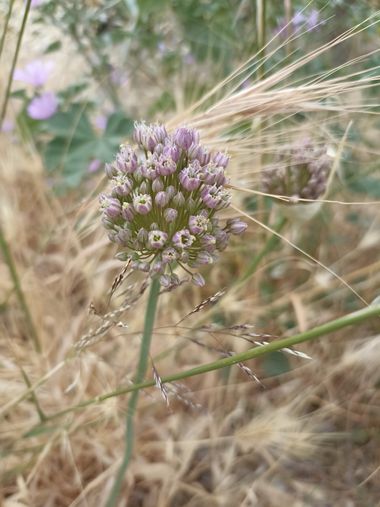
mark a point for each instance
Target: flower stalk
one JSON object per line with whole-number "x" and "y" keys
{"x": 14, "y": 61}
{"x": 332, "y": 326}
{"x": 132, "y": 404}
{"x": 19, "y": 292}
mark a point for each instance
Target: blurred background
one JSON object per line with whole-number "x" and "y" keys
{"x": 252, "y": 76}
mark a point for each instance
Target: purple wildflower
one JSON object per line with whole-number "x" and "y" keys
{"x": 164, "y": 200}
{"x": 189, "y": 177}
{"x": 35, "y": 73}
{"x": 142, "y": 203}
{"x": 183, "y": 239}
{"x": 101, "y": 122}
{"x": 198, "y": 224}
{"x": 94, "y": 165}
{"x": 157, "y": 239}
{"x": 7, "y": 126}
{"x": 43, "y": 106}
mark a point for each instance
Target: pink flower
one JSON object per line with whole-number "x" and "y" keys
{"x": 7, "y": 126}
{"x": 101, "y": 122}
{"x": 35, "y": 73}
{"x": 94, "y": 165}
{"x": 43, "y": 106}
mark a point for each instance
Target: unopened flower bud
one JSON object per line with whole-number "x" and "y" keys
{"x": 110, "y": 170}
{"x": 157, "y": 185}
{"x": 157, "y": 268}
{"x": 204, "y": 258}
{"x": 127, "y": 211}
{"x": 198, "y": 280}
{"x": 236, "y": 226}
{"x": 142, "y": 236}
{"x": 185, "y": 137}
{"x": 179, "y": 200}
{"x": 221, "y": 159}
{"x": 161, "y": 199}
{"x": 170, "y": 215}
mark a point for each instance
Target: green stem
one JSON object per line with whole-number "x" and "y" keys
{"x": 266, "y": 249}
{"x": 14, "y": 61}
{"x": 33, "y": 397}
{"x": 132, "y": 404}
{"x": 261, "y": 37}
{"x": 5, "y": 29}
{"x": 327, "y": 328}
{"x": 19, "y": 292}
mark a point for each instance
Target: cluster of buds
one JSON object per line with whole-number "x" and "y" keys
{"x": 163, "y": 203}
{"x": 299, "y": 172}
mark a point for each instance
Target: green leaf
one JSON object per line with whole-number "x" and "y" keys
{"x": 19, "y": 94}
{"x": 72, "y": 91}
{"x": 119, "y": 125}
{"x": 54, "y": 46}
{"x": 72, "y": 124}
{"x": 39, "y": 430}
{"x": 365, "y": 185}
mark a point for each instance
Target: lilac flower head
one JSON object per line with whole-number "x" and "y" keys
{"x": 43, "y": 106}
{"x": 301, "y": 20}
{"x": 300, "y": 171}
{"x": 163, "y": 204}
{"x": 35, "y": 73}
{"x": 312, "y": 19}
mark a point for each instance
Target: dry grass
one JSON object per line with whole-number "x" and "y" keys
{"x": 309, "y": 438}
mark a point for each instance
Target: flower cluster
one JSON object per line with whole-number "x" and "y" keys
{"x": 299, "y": 172}
{"x": 163, "y": 203}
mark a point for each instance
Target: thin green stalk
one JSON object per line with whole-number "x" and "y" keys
{"x": 261, "y": 41}
{"x": 327, "y": 328}
{"x": 14, "y": 61}
{"x": 270, "y": 244}
{"x": 132, "y": 404}
{"x": 33, "y": 397}
{"x": 19, "y": 292}
{"x": 5, "y": 29}
{"x": 261, "y": 36}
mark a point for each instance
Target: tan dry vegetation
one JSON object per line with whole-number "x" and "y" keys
{"x": 309, "y": 438}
